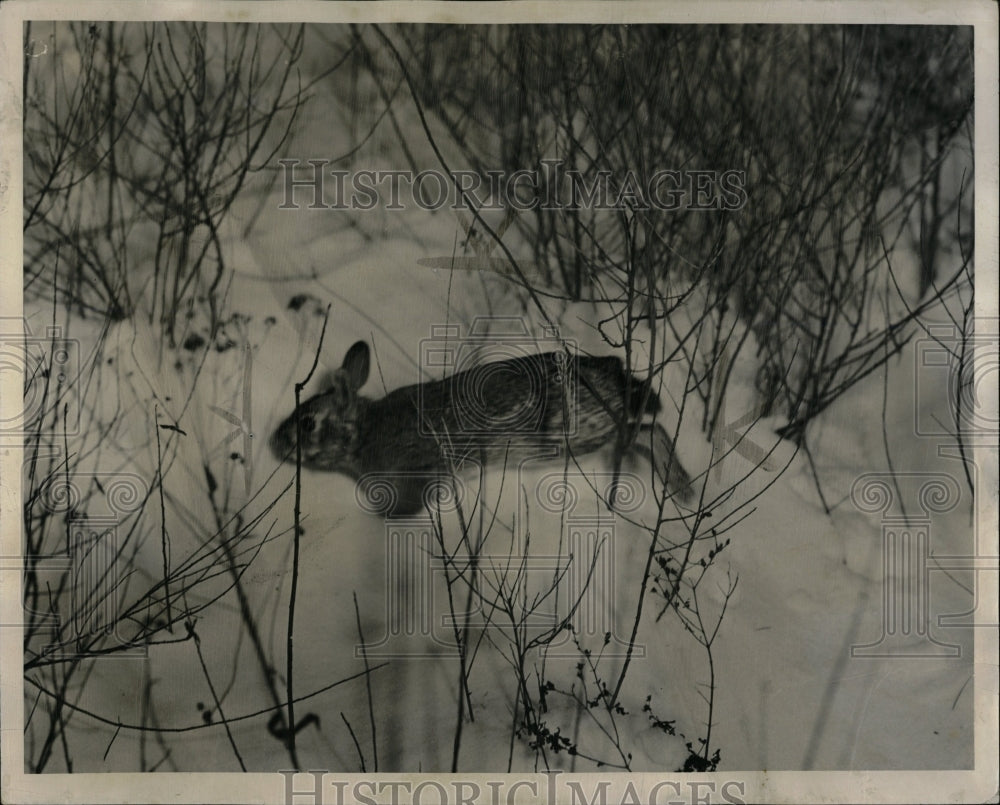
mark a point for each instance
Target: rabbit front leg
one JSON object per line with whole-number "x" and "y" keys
{"x": 392, "y": 494}
{"x": 405, "y": 493}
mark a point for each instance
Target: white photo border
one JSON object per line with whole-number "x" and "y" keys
{"x": 977, "y": 785}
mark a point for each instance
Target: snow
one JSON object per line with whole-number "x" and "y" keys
{"x": 789, "y": 694}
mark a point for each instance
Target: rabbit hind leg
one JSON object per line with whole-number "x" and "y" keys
{"x": 656, "y": 446}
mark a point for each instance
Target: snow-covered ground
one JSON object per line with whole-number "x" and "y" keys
{"x": 789, "y": 694}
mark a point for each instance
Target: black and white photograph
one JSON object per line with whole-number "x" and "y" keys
{"x": 499, "y": 402}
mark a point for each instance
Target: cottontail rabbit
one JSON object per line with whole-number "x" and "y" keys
{"x": 416, "y": 434}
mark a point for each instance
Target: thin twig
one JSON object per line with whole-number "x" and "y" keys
{"x": 368, "y": 684}
{"x": 215, "y": 696}
{"x": 296, "y": 535}
{"x": 354, "y": 738}
{"x": 164, "y": 540}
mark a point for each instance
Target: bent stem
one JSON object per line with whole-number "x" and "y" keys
{"x": 296, "y": 532}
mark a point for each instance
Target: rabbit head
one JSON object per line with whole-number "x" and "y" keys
{"x": 329, "y": 421}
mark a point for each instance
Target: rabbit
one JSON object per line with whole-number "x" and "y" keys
{"x": 417, "y": 434}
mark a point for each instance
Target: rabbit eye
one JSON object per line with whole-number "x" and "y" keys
{"x": 308, "y": 423}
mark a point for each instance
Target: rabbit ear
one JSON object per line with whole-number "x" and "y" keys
{"x": 356, "y": 363}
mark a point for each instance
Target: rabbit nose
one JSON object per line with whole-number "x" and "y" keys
{"x": 282, "y": 441}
